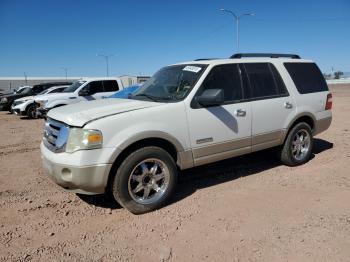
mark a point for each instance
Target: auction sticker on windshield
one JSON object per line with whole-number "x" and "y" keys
{"x": 194, "y": 69}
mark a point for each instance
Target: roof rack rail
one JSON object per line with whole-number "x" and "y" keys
{"x": 203, "y": 59}
{"x": 272, "y": 55}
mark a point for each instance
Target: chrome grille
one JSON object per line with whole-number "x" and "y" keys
{"x": 55, "y": 135}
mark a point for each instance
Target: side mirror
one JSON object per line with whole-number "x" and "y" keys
{"x": 84, "y": 92}
{"x": 211, "y": 97}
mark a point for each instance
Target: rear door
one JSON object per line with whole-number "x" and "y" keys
{"x": 271, "y": 104}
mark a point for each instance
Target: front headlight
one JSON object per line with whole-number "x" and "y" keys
{"x": 82, "y": 139}
{"x": 3, "y": 100}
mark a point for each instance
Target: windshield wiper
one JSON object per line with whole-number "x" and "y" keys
{"x": 153, "y": 98}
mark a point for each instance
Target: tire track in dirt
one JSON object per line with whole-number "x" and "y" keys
{"x": 21, "y": 150}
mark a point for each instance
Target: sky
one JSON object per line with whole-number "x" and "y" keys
{"x": 42, "y": 37}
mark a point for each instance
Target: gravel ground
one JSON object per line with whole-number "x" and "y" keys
{"x": 249, "y": 208}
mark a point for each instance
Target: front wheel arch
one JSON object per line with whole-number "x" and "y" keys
{"x": 122, "y": 190}
{"x": 157, "y": 142}
{"x": 31, "y": 105}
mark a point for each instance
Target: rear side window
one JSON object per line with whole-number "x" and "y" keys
{"x": 94, "y": 87}
{"x": 57, "y": 90}
{"x": 110, "y": 86}
{"x": 264, "y": 80}
{"x": 226, "y": 77}
{"x": 307, "y": 77}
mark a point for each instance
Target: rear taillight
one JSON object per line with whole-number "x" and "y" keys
{"x": 329, "y": 102}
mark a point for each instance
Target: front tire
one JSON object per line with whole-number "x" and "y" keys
{"x": 145, "y": 180}
{"x": 31, "y": 111}
{"x": 298, "y": 145}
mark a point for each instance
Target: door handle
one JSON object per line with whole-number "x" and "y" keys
{"x": 240, "y": 112}
{"x": 288, "y": 105}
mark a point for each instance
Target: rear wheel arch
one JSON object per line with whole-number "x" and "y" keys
{"x": 299, "y": 141}
{"x": 306, "y": 118}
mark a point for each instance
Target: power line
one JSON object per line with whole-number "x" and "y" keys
{"x": 303, "y": 20}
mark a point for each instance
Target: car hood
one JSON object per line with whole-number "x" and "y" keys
{"x": 79, "y": 114}
{"x": 25, "y": 98}
{"x": 55, "y": 96}
{"x": 6, "y": 94}
{"x": 13, "y": 96}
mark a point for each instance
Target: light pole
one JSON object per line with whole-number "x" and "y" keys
{"x": 25, "y": 78}
{"x": 107, "y": 61}
{"x": 237, "y": 18}
{"x": 65, "y": 70}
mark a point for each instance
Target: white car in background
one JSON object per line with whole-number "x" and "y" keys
{"x": 26, "y": 106}
{"x": 86, "y": 89}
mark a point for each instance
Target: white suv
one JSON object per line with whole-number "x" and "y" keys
{"x": 186, "y": 115}
{"x": 85, "y": 89}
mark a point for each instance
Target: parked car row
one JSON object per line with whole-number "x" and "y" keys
{"x": 28, "y": 101}
{"x": 7, "y": 100}
{"x": 188, "y": 114}
{"x": 26, "y": 106}
{"x": 14, "y": 91}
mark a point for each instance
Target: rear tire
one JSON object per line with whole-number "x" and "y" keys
{"x": 145, "y": 180}
{"x": 297, "y": 147}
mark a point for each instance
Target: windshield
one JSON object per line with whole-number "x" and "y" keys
{"x": 171, "y": 83}
{"x": 73, "y": 87}
{"x": 24, "y": 90}
{"x": 43, "y": 92}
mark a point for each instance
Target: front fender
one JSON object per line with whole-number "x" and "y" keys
{"x": 136, "y": 133}
{"x": 121, "y": 130}
{"x": 151, "y": 134}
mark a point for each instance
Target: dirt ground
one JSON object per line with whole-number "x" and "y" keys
{"x": 249, "y": 208}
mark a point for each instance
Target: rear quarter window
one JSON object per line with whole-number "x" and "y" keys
{"x": 307, "y": 77}
{"x": 57, "y": 90}
{"x": 110, "y": 86}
